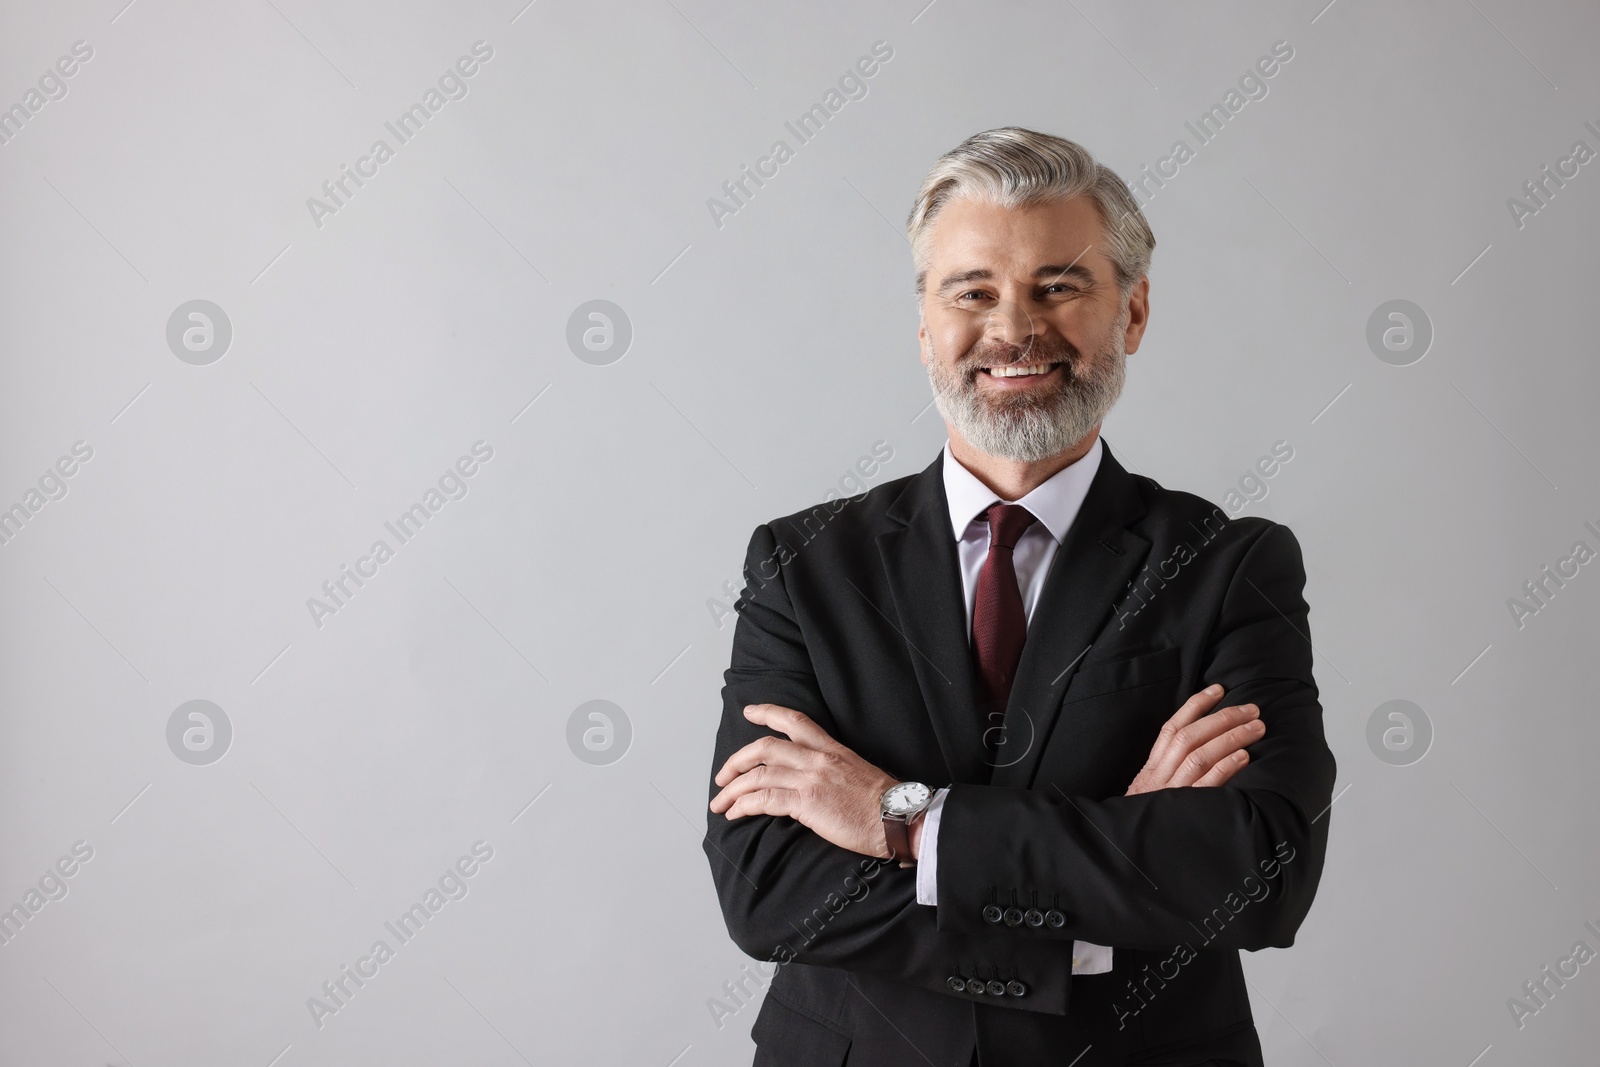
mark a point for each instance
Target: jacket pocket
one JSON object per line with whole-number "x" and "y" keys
{"x": 786, "y": 1037}
{"x": 1097, "y": 679}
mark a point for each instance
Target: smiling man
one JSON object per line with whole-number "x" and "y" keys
{"x": 952, "y": 799}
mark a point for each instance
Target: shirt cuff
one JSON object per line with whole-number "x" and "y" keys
{"x": 1090, "y": 959}
{"x": 928, "y": 851}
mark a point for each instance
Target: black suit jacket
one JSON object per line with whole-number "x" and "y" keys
{"x": 853, "y": 613}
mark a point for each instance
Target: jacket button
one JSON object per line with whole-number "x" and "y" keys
{"x": 996, "y": 988}
{"x": 1033, "y": 917}
{"x": 957, "y": 983}
{"x": 992, "y": 914}
{"x": 1013, "y": 916}
{"x": 1016, "y": 988}
{"x": 1055, "y": 919}
{"x": 975, "y": 985}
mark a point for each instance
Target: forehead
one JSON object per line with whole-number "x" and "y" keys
{"x": 971, "y": 233}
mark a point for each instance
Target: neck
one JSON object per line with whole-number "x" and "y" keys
{"x": 1011, "y": 479}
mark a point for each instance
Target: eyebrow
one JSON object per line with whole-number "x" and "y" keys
{"x": 1053, "y": 271}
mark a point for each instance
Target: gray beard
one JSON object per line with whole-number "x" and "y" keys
{"x": 1031, "y": 429}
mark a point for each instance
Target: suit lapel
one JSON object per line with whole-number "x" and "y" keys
{"x": 1092, "y": 565}
{"x": 924, "y": 574}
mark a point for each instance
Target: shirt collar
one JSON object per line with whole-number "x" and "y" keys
{"x": 1054, "y": 503}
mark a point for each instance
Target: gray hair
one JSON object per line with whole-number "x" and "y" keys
{"x": 1014, "y": 167}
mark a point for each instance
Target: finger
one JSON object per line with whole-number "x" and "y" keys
{"x": 766, "y": 802}
{"x": 762, "y": 777}
{"x": 1224, "y": 769}
{"x": 1220, "y": 748}
{"x": 799, "y": 726}
{"x": 1195, "y": 707}
{"x": 1191, "y": 710}
{"x": 1208, "y": 755}
{"x": 1192, "y": 737}
{"x": 769, "y": 750}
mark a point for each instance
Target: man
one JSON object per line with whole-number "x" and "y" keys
{"x": 952, "y": 800}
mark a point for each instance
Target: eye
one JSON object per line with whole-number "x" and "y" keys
{"x": 979, "y": 293}
{"x": 1061, "y": 287}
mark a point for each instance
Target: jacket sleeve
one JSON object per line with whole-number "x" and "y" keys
{"x": 1229, "y": 867}
{"x": 788, "y": 895}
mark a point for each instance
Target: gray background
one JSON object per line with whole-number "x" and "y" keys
{"x": 768, "y": 355}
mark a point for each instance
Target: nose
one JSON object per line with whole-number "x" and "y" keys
{"x": 1011, "y": 323}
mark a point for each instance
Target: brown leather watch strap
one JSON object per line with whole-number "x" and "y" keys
{"x": 897, "y": 832}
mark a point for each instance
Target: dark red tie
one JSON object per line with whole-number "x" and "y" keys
{"x": 999, "y": 625}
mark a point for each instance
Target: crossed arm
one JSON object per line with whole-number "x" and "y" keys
{"x": 823, "y": 785}
{"x": 799, "y": 825}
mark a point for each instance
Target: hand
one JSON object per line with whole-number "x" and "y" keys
{"x": 1198, "y": 749}
{"x": 811, "y": 778}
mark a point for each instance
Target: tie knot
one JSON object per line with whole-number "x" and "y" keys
{"x": 1006, "y": 523}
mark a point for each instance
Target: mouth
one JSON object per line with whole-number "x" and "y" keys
{"x": 1027, "y": 371}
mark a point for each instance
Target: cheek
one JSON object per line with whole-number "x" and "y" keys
{"x": 949, "y": 339}
{"x": 1091, "y": 336}
{"x": 1079, "y": 324}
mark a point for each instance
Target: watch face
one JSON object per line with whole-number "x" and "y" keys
{"x": 906, "y": 798}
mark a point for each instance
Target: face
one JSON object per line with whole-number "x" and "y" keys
{"x": 1024, "y": 331}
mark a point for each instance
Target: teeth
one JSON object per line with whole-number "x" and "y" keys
{"x": 1020, "y": 371}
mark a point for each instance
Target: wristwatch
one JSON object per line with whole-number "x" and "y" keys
{"x": 898, "y": 805}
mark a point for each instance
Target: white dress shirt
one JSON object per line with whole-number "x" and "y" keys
{"x": 1055, "y": 505}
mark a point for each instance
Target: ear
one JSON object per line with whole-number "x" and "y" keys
{"x": 1138, "y": 314}
{"x": 922, "y": 340}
